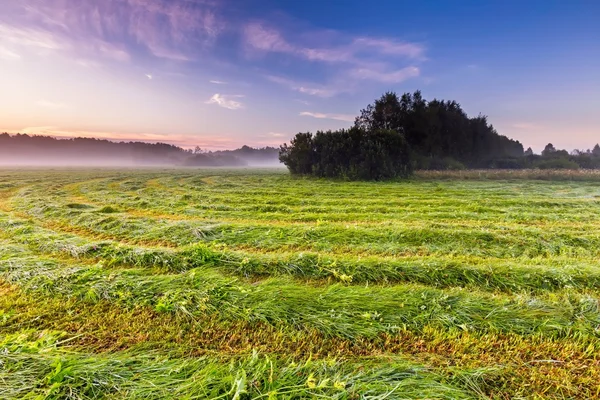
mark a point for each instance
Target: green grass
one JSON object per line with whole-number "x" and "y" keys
{"x": 253, "y": 284}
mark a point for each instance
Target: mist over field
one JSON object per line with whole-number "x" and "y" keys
{"x": 24, "y": 150}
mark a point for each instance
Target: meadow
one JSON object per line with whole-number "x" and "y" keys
{"x": 253, "y": 284}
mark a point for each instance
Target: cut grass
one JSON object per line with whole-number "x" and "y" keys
{"x": 249, "y": 284}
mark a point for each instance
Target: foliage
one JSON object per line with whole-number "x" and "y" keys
{"x": 438, "y": 130}
{"x": 352, "y": 154}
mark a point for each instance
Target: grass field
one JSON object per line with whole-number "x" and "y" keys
{"x": 251, "y": 284}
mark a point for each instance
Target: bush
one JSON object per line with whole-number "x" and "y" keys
{"x": 557, "y": 163}
{"x": 354, "y": 154}
{"x": 508, "y": 163}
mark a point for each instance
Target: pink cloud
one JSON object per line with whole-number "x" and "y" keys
{"x": 309, "y": 88}
{"x": 387, "y": 46}
{"x": 167, "y": 29}
{"x": 374, "y": 59}
{"x": 386, "y": 76}
{"x": 337, "y": 117}
{"x": 263, "y": 38}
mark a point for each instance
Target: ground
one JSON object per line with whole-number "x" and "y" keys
{"x": 249, "y": 284}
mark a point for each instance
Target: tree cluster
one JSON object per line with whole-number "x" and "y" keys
{"x": 439, "y": 133}
{"x": 552, "y": 158}
{"x": 354, "y": 153}
{"x": 395, "y": 135}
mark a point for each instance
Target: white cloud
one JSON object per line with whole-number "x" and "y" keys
{"x": 226, "y": 101}
{"x": 218, "y": 82}
{"x": 149, "y": 76}
{"x": 337, "y": 117}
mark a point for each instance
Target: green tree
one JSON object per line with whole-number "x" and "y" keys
{"x": 299, "y": 155}
{"x": 548, "y": 150}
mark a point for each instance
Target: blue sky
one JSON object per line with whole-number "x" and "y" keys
{"x": 225, "y": 73}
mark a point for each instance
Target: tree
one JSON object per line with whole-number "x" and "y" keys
{"x": 299, "y": 155}
{"x": 596, "y": 150}
{"x": 353, "y": 154}
{"x": 548, "y": 150}
{"x": 437, "y": 130}
{"x": 528, "y": 152}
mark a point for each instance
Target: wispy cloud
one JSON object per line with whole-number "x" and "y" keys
{"x": 218, "y": 82}
{"x": 30, "y": 37}
{"x": 355, "y": 59}
{"x": 527, "y": 126}
{"x": 173, "y": 30}
{"x": 337, "y": 117}
{"x": 308, "y": 88}
{"x": 226, "y": 101}
{"x": 392, "y": 47}
{"x": 88, "y": 63}
{"x": 51, "y": 104}
{"x": 386, "y": 76}
{"x": 263, "y": 38}
{"x": 6, "y": 54}
{"x": 149, "y": 76}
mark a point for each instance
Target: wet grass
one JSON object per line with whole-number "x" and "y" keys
{"x": 252, "y": 284}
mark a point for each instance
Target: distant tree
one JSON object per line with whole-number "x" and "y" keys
{"x": 548, "y": 150}
{"x": 198, "y": 150}
{"x": 596, "y": 150}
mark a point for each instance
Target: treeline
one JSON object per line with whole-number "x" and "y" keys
{"x": 408, "y": 133}
{"x": 22, "y": 149}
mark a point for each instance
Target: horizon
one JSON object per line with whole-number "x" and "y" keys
{"x": 222, "y": 74}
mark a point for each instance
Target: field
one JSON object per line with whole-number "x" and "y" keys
{"x": 251, "y": 284}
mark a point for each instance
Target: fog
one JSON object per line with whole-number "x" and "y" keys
{"x": 32, "y": 151}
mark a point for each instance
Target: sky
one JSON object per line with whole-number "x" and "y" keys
{"x": 220, "y": 74}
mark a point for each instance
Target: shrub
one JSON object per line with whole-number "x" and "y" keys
{"x": 557, "y": 163}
